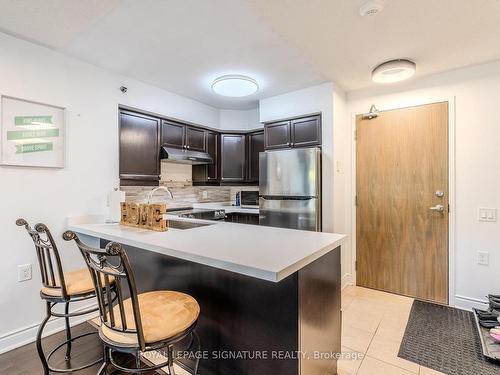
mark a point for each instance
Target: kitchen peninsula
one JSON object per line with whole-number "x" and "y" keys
{"x": 272, "y": 294}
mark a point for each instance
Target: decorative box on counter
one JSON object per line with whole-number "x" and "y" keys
{"x": 142, "y": 215}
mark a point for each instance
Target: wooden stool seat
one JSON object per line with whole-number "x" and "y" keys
{"x": 164, "y": 314}
{"x": 78, "y": 282}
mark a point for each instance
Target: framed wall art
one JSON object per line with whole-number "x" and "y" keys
{"x": 32, "y": 134}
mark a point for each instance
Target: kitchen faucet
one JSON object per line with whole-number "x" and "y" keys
{"x": 150, "y": 195}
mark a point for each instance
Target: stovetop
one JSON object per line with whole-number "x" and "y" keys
{"x": 198, "y": 213}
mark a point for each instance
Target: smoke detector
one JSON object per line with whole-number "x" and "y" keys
{"x": 371, "y": 7}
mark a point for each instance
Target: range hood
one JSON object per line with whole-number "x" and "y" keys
{"x": 183, "y": 156}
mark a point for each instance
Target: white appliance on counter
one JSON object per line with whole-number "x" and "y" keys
{"x": 115, "y": 197}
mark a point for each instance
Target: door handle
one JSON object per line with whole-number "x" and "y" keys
{"x": 437, "y": 208}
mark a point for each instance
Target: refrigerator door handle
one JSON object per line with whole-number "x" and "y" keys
{"x": 285, "y": 198}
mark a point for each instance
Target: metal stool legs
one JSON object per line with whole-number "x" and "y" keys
{"x": 47, "y": 369}
{"x": 105, "y": 358}
{"x": 170, "y": 351}
{"x": 68, "y": 333}
{"x": 39, "y": 341}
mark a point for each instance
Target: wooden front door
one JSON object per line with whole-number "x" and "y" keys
{"x": 402, "y": 184}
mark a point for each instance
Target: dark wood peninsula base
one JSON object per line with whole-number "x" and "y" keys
{"x": 252, "y": 326}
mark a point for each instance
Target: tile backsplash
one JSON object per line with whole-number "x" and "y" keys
{"x": 185, "y": 196}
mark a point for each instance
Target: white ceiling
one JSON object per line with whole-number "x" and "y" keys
{"x": 438, "y": 35}
{"x": 182, "y": 45}
{"x": 178, "y": 45}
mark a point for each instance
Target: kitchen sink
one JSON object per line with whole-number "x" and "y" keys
{"x": 185, "y": 224}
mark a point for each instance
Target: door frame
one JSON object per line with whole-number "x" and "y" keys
{"x": 388, "y": 106}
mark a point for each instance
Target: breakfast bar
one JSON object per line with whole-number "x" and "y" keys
{"x": 269, "y": 297}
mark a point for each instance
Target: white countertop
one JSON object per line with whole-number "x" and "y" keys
{"x": 263, "y": 252}
{"x": 227, "y": 206}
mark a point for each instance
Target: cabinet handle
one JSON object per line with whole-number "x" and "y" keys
{"x": 187, "y": 147}
{"x": 288, "y": 143}
{"x": 293, "y": 144}
{"x": 208, "y": 178}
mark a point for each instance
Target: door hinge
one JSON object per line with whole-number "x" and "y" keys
{"x": 356, "y": 200}
{"x": 355, "y": 265}
{"x": 355, "y": 135}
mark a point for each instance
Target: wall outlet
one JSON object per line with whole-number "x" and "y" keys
{"x": 204, "y": 194}
{"x": 487, "y": 214}
{"x": 24, "y": 272}
{"x": 483, "y": 258}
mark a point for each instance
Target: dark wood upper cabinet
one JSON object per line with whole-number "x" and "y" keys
{"x": 139, "y": 148}
{"x": 232, "y": 157}
{"x": 306, "y": 131}
{"x": 235, "y": 154}
{"x": 255, "y": 145}
{"x": 213, "y": 150}
{"x": 298, "y": 132}
{"x": 209, "y": 172}
{"x": 195, "y": 139}
{"x": 277, "y": 135}
{"x": 173, "y": 134}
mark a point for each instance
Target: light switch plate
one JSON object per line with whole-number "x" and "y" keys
{"x": 487, "y": 214}
{"x": 483, "y": 258}
{"x": 24, "y": 272}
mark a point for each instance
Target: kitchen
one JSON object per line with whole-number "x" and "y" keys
{"x": 288, "y": 179}
{"x": 179, "y": 155}
{"x": 240, "y": 187}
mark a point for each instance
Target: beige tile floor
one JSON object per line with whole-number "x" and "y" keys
{"x": 373, "y": 326}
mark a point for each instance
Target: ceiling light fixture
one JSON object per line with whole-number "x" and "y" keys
{"x": 371, "y": 7}
{"x": 393, "y": 71}
{"x": 235, "y": 85}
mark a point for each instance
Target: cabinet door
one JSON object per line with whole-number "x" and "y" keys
{"x": 306, "y": 131}
{"x": 209, "y": 172}
{"x": 212, "y": 149}
{"x": 255, "y": 146}
{"x": 139, "y": 147}
{"x": 277, "y": 135}
{"x": 173, "y": 134}
{"x": 195, "y": 139}
{"x": 232, "y": 157}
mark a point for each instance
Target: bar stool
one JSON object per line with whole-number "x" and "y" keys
{"x": 143, "y": 322}
{"x": 59, "y": 288}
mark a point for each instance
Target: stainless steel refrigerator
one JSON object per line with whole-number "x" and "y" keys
{"x": 290, "y": 188}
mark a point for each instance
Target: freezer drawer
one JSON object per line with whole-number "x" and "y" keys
{"x": 295, "y": 172}
{"x": 304, "y": 214}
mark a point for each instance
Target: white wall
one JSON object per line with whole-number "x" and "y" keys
{"x": 330, "y": 101}
{"x": 477, "y": 132}
{"x": 239, "y": 120}
{"x": 91, "y": 96}
{"x": 302, "y": 102}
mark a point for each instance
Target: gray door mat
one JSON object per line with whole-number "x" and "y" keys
{"x": 444, "y": 339}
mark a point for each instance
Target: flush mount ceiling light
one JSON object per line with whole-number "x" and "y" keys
{"x": 393, "y": 71}
{"x": 371, "y": 7}
{"x": 235, "y": 85}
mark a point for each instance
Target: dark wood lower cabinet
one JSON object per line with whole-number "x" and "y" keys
{"x": 243, "y": 315}
{"x": 242, "y": 218}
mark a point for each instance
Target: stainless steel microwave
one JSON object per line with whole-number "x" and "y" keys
{"x": 249, "y": 199}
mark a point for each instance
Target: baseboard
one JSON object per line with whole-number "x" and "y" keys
{"x": 467, "y": 303}
{"x": 346, "y": 280}
{"x": 26, "y": 335}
